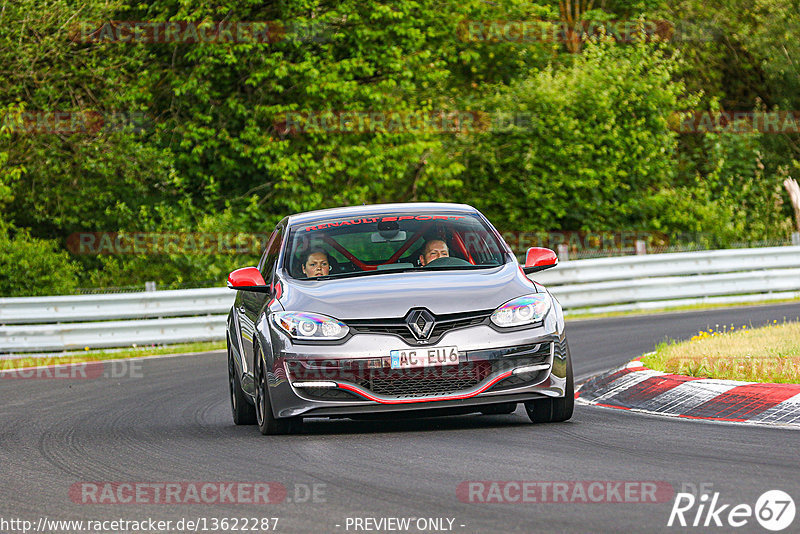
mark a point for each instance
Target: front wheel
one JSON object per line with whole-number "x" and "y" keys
{"x": 268, "y": 424}
{"x": 244, "y": 413}
{"x": 558, "y": 409}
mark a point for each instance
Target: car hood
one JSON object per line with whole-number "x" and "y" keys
{"x": 393, "y": 294}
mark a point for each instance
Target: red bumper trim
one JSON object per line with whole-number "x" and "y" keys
{"x": 371, "y": 397}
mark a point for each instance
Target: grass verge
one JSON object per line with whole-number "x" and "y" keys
{"x": 64, "y": 358}
{"x": 767, "y": 354}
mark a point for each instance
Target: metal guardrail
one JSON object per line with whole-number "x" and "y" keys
{"x": 672, "y": 264}
{"x": 35, "y": 324}
{"x": 685, "y": 278}
{"x": 677, "y": 287}
{"x": 142, "y": 305}
{"x": 104, "y": 334}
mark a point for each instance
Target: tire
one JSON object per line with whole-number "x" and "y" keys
{"x": 554, "y": 410}
{"x": 499, "y": 409}
{"x": 243, "y": 412}
{"x": 267, "y": 423}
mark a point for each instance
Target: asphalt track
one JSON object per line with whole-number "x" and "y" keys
{"x": 173, "y": 423}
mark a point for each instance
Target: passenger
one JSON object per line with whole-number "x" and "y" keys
{"x": 434, "y": 249}
{"x": 316, "y": 263}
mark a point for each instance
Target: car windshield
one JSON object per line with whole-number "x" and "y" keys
{"x": 344, "y": 247}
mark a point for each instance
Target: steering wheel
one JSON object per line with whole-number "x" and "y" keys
{"x": 447, "y": 261}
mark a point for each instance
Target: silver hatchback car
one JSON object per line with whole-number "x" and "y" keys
{"x": 389, "y": 310}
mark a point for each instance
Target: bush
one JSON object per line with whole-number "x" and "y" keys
{"x": 594, "y": 147}
{"x": 34, "y": 267}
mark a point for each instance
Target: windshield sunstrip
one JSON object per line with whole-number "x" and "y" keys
{"x": 398, "y": 218}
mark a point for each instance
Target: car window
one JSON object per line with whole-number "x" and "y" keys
{"x": 378, "y": 244}
{"x": 271, "y": 251}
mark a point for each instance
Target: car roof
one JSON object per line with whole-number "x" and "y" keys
{"x": 379, "y": 209}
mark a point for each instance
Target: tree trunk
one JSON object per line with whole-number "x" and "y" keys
{"x": 571, "y": 12}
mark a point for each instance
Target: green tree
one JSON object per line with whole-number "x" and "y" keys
{"x": 595, "y": 147}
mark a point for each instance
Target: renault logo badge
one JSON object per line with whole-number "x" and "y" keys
{"x": 421, "y": 323}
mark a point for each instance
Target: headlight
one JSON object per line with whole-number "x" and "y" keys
{"x": 522, "y": 310}
{"x": 310, "y": 326}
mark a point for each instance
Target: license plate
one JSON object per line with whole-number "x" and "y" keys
{"x": 428, "y": 357}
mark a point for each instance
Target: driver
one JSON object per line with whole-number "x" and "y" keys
{"x": 434, "y": 249}
{"x": 316, "y": 263}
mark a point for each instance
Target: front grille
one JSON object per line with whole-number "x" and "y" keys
{"x": 397, "y": 326}
{"x": 420, "y": 382}
{"x": 424, "y": 382}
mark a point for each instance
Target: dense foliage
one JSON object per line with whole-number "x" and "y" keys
{"x": 575, "y": 135}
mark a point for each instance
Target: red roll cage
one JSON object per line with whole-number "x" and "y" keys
{"x": 458, "y": 243}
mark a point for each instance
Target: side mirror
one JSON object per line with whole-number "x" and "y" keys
{"x": 538, "y": 259}
{"x": 248, "y": 279}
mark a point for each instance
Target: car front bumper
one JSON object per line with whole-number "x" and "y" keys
{"x": 355, "y": 378}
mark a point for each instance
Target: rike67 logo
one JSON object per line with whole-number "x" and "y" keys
{"x": 774, "y": 510}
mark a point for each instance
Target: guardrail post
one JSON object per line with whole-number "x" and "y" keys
{"x": 563, "y": 252}
{"x": 641, "y": 247}
{"x": 150, "y": 286}
{"x": 796, "y": 238}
